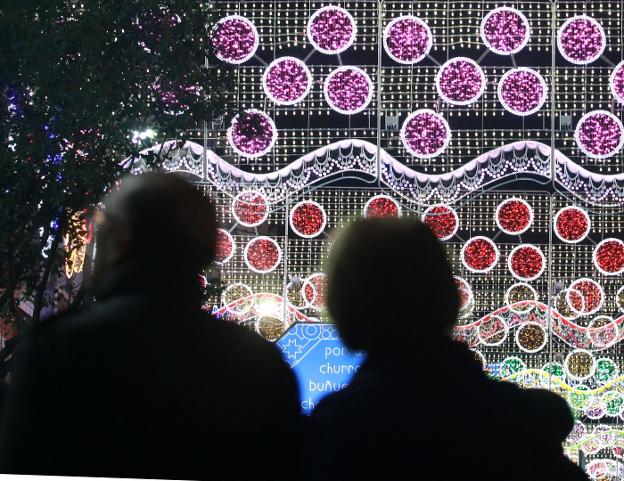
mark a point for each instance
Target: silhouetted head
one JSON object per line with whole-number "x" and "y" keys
{"x": 389, "y": 281}
{"x": 160, "y": 223}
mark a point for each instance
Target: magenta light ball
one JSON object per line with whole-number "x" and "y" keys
{"x": 235, "y": 39}
{"x": 522, "y": 91}
{"x": 581, "y": 40}
{"x": 348, "y": 90}
{"x": 505, "y": 30}
{"x": 425, "y": 134}
{"x": 407, "y": 39}
{"x": 287, "y": 80}
{"x": 331, "y": 30}
{"x": 599, "y": 134}
{"x": 460, "y": 81}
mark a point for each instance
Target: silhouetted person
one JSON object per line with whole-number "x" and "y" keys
{"x": 143, "y": 383}
{"x": 421, "y": 406}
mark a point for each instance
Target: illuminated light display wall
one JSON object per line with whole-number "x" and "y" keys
{"x": 446, "y": 111}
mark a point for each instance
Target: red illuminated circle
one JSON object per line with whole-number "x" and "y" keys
{"x": 442, "y": 219}
{"x": 313, "y": 290}
{"x": 514, "y": 216}
{"x": 225, "y": 246}
{"x": 592, "y": 292}
{"x": 479, "y": 254}
{"x": 572, "y": 224}
{"x": 262, "y": 254}
{"x": 526, "y": 262}
{"x": 382, "y": 206}
{"x": 308, "y": 219}
{"x": 250, "y": 208}
{"x": 608, "y": 257}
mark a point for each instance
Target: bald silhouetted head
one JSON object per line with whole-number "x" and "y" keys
{"x": 389, "y": 282}
{"x": 159, "y": 222}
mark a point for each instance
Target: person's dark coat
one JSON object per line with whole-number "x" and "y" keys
{"x": 143, "y": 385}
{"x": 430, "y": 412}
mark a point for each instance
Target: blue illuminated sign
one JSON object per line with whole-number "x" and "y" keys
{"x": 319, "y": 359}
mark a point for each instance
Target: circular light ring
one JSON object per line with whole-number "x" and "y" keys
{"x": 239, "y": 291}
{"x": 317, "y": 283}
{"x": 570, "y": 358}
{"x": 416, "y": 51}
{"x": 596, "y": 409}
{"x": 494, "y": 251}
{"x": 479, "y": 357}
{"x": 570, "y": 303}
{"x": 251, "y": 43}
{"x": 532, "y": 326}
{"x": 581, "y": 215}
{"x": 619, "y": 298}
{"x": 498, "y": 328}
{"x": 294, "y": 294}
{"x": 616, "y": 82}
{"x": 425, "y": 117}
{"x": 270, "y": 327}
{"x": 224, "y": 241}
{"x": 459, "y": 78}
{"x": 583, "y": 285}
{"x": 561, "y": 42}
{"x": 442, "y": 220}
{"x": 381, "y": 206}
{"x": 291, "y": 81}
{"x": 613, "y": 401}
{"x": 294, "y": 220}
{"x": 250, "y": 262}
{"x": 505, "y": 12}
{"x": 266, "y": 143}
{"x": 603, "y": 332}
{"x": 510, "y": 302}
{"x": 580, "y": 400}
{"x": 614, "y": 137}
{"x": 555, "y": 369}
{"x": 599, "y": 251}
{"x": 466, "y": 295}
{"x": 534, "y": 274}
{"x": 342, "y": 92}
{"x": 260, "y": 204}
{"x": 512, "y": 365}
{"x": 344, "y": 43}
{"x": 504, "y": 205}
{"x": 535, "y": 104}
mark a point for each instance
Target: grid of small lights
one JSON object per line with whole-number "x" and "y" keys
{"x": 475, "y": 128}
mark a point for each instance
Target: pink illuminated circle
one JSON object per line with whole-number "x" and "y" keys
{"x": 331, "y": 30}
{"x": 572, "y": 224}
{"x": 235, "y": 39}
{"x": 407, "y": 39}
{"x": 460, "y": 81}
{"x": 479, "y": 254}
{"x": 308, "y": 219}
{"x": 616, "y": 82}
{"x": 287, "y": 80}
{"x": 599, "y": 134}
{"x": 252, "y": 133}
{"x": 514, "y": 216}
{"x": 592, "y": 293}
{"x": 442, "y": 220}
{"x": 382, "y": 206}
{"x": 608, "y": 257}
{"x": 250, "y": 208}
{"x": 505, "y": 30}
{"x": 581, "y": 40}
{"x": 262, "y": 254}
{"x": 522, "y": 91}
{"x": 526, "y": 262}
{"x": 225, "y": 246}
{"x": 425, "y": 134}
{"x": 348, "y": 90}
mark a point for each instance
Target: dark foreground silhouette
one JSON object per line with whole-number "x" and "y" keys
{"x": 143, "y": 384}
{"x": 421, "y": 407}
